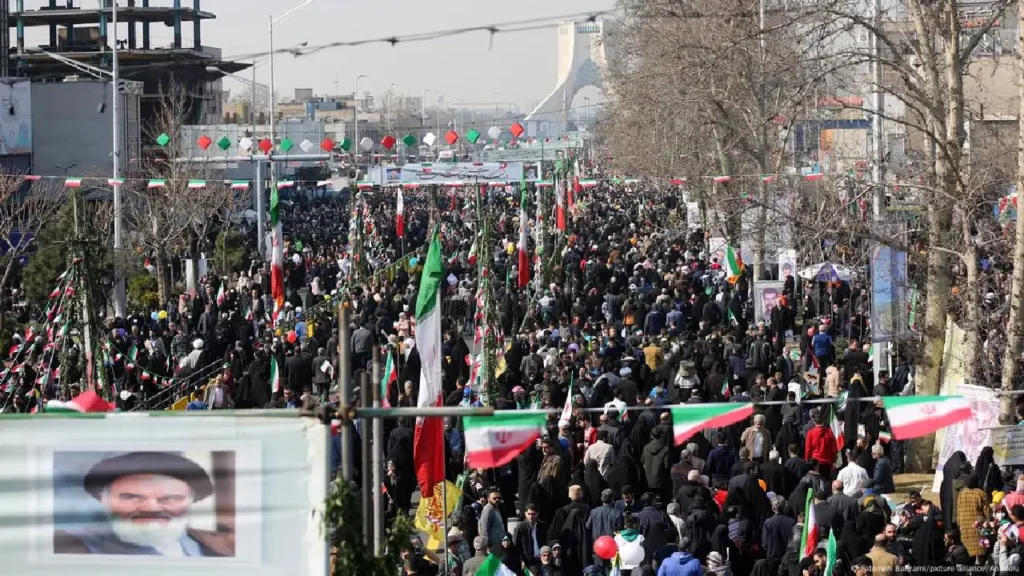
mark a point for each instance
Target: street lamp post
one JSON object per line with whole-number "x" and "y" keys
{"x": 120, "y": 301}
{"x": 273, "y": 24}
{"x": 355, "y": 115}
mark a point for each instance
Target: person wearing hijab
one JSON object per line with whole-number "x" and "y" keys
{"x": 972, "y": 507}
{"x": 927, "y": 547}
{"x": 989, "y": 477}
{"x": 509, "y": 555}
{"x": 947, "y": 492}
{"x": 851, "y": 542}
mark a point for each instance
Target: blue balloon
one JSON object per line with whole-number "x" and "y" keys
{"x": 154, "y": 315}
{"x": 414, "y": 261}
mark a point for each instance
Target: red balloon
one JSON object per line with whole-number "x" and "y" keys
{"x": 605, "y": 547}
{"x": 292, "y": 336}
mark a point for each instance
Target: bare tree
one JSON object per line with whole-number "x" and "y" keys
{"x": 25, "y": 207}
{"x": 176, "y": 217}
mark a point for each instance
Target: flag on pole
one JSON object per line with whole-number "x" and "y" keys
{"x": 839, "y": 431}
{"x": 275, "y": 375}
{"x": 524, "y": 258}
{"x": 221, "y": 295}
{"x": 73, "y": 182}
{"x": 733, "y": 265}
{"x": 390, "y": 376}
{"x": 688, "y": 419}
{"x": 472, "y": 253}
{"x": 277, "y": 253}
{"x": 560, "y": 206}
{"x": 916, "y": 416}
{"x": 809, "y": 536}
{"x": 566, "y": 416}
{"x": 493, "y": 441}
{"x": 428, "y": 441}
{"x": 400, "y": 216}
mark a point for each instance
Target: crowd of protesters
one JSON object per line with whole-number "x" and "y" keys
{"x": 638, "y": 315}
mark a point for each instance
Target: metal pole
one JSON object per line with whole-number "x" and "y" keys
{"x": 444, "y": 506}
{"x": 877, "y": 176}
{"x": 120, "y": 305}
{"x": 252, "y": 112}
{"x": 344, "y": 387}
{"x": 364, "y": 443}
{"x": 355, "y": 119}
{"x": 261, "y": 211}
{"x": 273, "y": 119}
{"x": 378, "y": 457}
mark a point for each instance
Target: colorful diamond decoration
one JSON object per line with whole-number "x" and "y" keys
{"x": 345, "y": 144}
{"x": 266, "y": 145}
{"x": 494, "y": 132}
{"x": 163, "y": 139}
{"x": 388, "y": 142}
{"x": 307, "y": 146}
{"x": 409, "y": 141}
{"x": 451, "y": 137}
{"x": 224, "y": 143}
{"x": 472, "y": 136}
{"x": 516, "y": 129}
{"x": 366, "y": 144}
{"x": 286, "y": 145}
{"x": 245, "y": 144}
{"x": 204, "y": 142}
{"x": 429, "y": 139}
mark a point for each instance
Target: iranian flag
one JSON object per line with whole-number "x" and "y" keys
{"x": 689, "y": 419}
{"x": 809, "y": 536}
{"x": 428, "y": 441}
{"x": 566, "y": 416}
{"x": 830, "y": 553}
{"x": 196, "y": 184}
{"x": 560, "y": 206}
{"x": 73, "y": 182}
{"x": 916, "y": 416}
{"x": 492, "y": 566}
{"x": 86, "y": 402}
{"x": 390, "y": 377}
{"x": 221, "y": 295}
{"x": 400, "y": 216}
{"x": 275, "y": 376}
{"x": 239, "y": 184}
{"x": 157, "y": 183}
{"x": 524, "y": 258}
{"x": 733, "y": 265}
{"x": 839, "y": 431}
{"x": 493, "y": 441}
{"x": 472, "y": 253}
{"x": 277, "y": 253}
{"x": 285, "y": 184}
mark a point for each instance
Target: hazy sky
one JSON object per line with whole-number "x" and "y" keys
{"x": 518, "y": 68}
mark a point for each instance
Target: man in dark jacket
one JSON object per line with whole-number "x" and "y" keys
{"x": 846, "y": 506}
{"x": 604, "y": 520}
{"x": 300, "y": 371}
{"x": 721, "y": 458}
{"x": 657, "y": 464}
{"x": 529, "y": 536}
{"x": 777, "y": 530}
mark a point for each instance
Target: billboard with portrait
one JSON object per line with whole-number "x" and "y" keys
{"x": 973, "y": 434}
{"x": 787, "y": 264}
{"x": 766, "y": 297}
{"x": 181, "y": 494}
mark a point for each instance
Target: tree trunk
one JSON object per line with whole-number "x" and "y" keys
{"x": 1013, "y": 328}
{"x": 163, "y": 276}
{"x": 972, "y": 346}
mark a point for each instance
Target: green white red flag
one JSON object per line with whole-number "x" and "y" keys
{"x": 916, "y": 416}
{"x": 494, "y": 440}
{"x": 390, "y": 376}
{"x": 86, "y": 402}
{"x": 277, "y": 253}
{"x": 809, "y": 536}
{"x": 733, "y": 265}
{"x": 275, "y": 375}
{"x": 688, "y": 419}
{"x": 566, "y": 416}
{"x": 524, "y": 257}
{"x": 428, "y": 436}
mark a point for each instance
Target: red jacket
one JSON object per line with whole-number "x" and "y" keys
{"x": 821, "y": 445}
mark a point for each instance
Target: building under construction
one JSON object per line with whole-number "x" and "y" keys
{"x": 81, "y": 35}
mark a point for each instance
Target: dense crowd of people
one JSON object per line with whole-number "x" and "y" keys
{"x": 633, "y": 310}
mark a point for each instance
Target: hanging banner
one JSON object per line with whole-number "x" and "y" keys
{"x": 889, "y": 289}
{"x": 461, "y": 173}
{"x": 787, "y": 264}
{"x": 1008, "y": 445}
{"x": 973, "y": 434}
{"x": 766, "y": 297}
{"x": 163, "y": 495}
{"x": 430, "y": 513}
{"x": 716, "y": 249}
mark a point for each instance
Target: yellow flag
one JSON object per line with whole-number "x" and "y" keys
{"x": 430, "y": 514}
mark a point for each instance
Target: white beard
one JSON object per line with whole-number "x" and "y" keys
{"x": 150, "y": 534}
